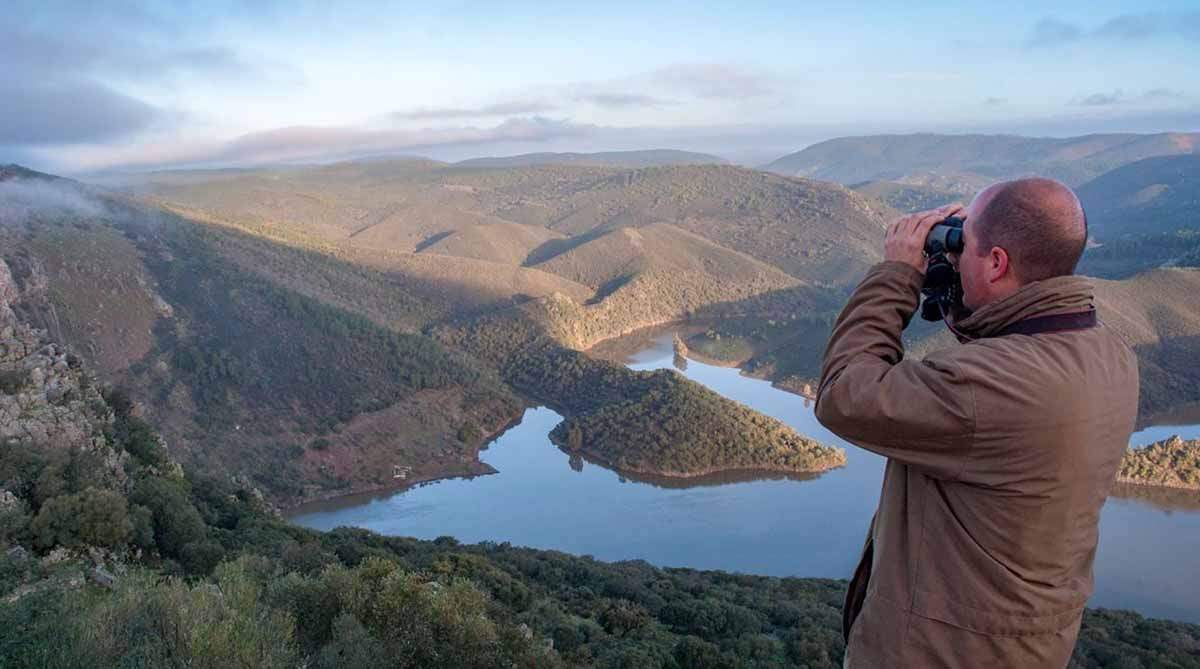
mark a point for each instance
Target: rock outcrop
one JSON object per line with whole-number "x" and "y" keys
{"x": 46, "y": 399}
{"x": 1170, "y": 463}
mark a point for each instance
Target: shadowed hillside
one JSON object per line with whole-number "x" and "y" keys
{"x": 1152, "y": 196}
{"x": 1157, "y": 313}
{"x": 976, "y": 160}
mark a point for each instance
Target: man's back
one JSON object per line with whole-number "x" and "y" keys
{"x": 1001, "y": 453}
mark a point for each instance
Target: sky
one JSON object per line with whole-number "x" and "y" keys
{"x": 148, "y": 85}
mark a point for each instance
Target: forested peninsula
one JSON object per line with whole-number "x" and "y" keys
{"x": 658, "y": 423}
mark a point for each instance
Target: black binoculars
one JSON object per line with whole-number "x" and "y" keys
{"x": 943, "y": 287}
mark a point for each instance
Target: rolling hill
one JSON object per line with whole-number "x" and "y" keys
{"x": 646, "y": 158}
{"x": 909, "y": 198}
{"x": 283, "y": 353}
{"x": 814, "y": 231}
{"x": 503, "y": 242}
{"x": 1152, "y": 196}
{"x": 975, "y": 160}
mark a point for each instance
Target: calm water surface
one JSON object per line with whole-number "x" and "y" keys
{"x": 767, "y": 525}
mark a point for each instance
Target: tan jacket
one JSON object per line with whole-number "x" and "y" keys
{"x": 1000, "y": 452}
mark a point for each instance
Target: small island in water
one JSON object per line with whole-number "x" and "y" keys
{"x": 1170, "y": 463}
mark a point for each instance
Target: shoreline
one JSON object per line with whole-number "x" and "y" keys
{"x": 480, "y": 468}
{"x": 466, "y": 470}
{"x": 713, "y": 472}
{"x": 386, "y": 490}
{"x": 1167, "y": 486}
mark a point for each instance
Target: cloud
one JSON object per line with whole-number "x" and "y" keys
{"x": 61, "y": 75}
{"x": 507, "y": 108}
{"x": 621, "y": 100}
{"x": 1163, "y": 94}
{"x": 68, "y": 111}
{"x": 1121, "y": 28}
{"x": 322, "y": 143}
{"x": 19, "y": 198}
{"x": 713, "y": 81}
{"x": 1100, "y": 99}
{"x": 994, "y": 101}
{"x": 1119, "y": 96}
{"x": 1052, "y": 32}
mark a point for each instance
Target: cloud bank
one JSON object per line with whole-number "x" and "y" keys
{"x": 323, "y": 143}
{"x": 1050, "y": 33}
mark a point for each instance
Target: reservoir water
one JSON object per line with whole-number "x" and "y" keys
{"x": 1147, "y": 560}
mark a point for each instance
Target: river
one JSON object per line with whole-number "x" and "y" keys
{"x": 775, "y": 525}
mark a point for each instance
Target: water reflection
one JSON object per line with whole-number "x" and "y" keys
{"x": 1163, "y": 499}
{"x": 704, "y": 481}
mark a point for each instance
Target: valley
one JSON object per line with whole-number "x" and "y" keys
{"x": 340, "y": 333}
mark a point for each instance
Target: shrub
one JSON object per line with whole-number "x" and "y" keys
{"x": 90, "y": 518}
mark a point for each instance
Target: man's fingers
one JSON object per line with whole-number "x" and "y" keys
{"x": 924, "y": 221}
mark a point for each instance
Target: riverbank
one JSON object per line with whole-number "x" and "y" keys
{"x": 1170, "y": 463}
{"x": 424, "y": 473}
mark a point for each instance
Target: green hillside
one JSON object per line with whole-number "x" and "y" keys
{"x": 909, "y": 198}
{"x": 268, "y": 351}
{"x": 975, "y": 160}
{"x": 648, "y": 158}
{"x": 1154, "y": 196}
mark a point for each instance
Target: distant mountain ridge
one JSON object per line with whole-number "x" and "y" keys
{"x": 975, "y": 159}
{"x": 643, "y": 158}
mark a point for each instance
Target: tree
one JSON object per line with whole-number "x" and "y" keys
{"x": 177, "y": 523}
{"x": 90, "y": 518}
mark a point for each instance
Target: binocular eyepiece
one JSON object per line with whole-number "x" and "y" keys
{"x": 943, "y": 287}
{"x": 945, "y": 237}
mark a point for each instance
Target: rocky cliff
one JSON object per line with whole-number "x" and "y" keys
{"x": 46, "y": 400}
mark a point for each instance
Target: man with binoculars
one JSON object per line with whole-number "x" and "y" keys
{"x": 1000, "y": 450}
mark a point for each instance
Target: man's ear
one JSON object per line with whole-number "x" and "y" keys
{"x": 998, "y": 264}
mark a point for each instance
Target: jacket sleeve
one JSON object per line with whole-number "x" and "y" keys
{"x": 920, "y": 413}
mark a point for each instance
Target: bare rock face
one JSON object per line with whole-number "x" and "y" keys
{"x": 8, "y": 294}
{"x": 46, "y": 401}
{"x": 8, "y": 287}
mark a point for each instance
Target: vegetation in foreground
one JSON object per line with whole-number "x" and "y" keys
{"x": 112, "y": 555}
{"x": 204, "y": 577}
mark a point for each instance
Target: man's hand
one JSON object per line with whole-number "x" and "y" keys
{"x": 906, "y": 237}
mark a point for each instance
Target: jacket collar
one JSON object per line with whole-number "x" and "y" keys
{"x": 1059, "y": 295}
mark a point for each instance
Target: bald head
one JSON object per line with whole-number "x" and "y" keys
{"x": 1039, "y": 222}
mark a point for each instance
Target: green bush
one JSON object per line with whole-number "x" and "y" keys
{"x": 90, "y": 518}
{"x": 176, "y": 521}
